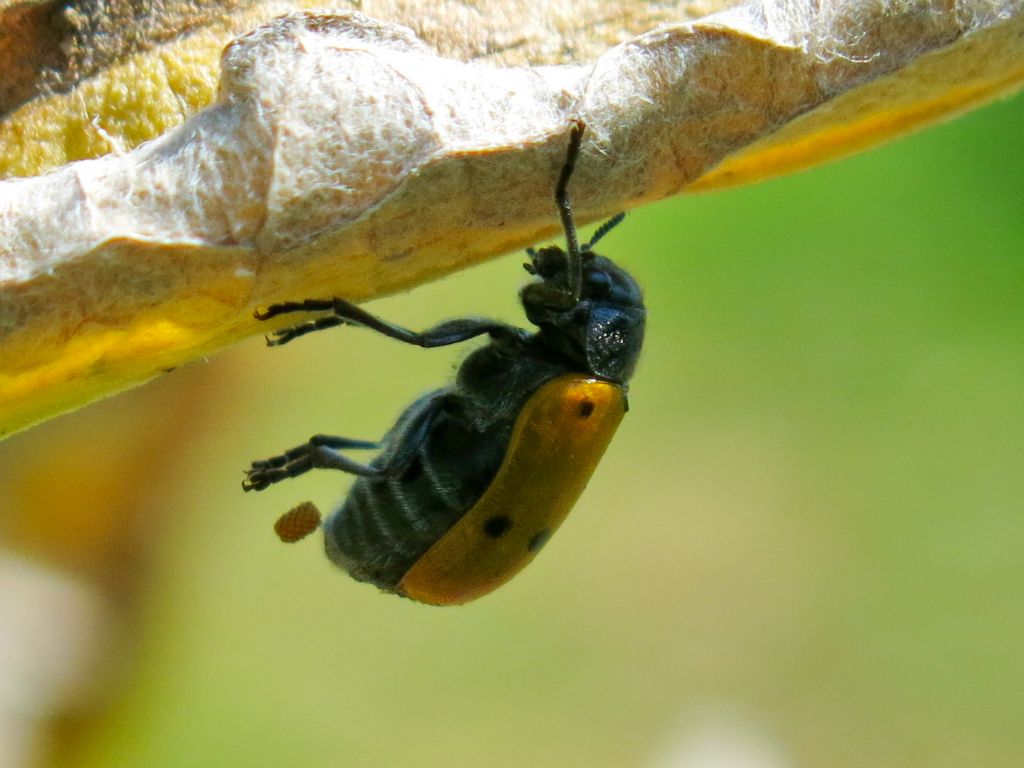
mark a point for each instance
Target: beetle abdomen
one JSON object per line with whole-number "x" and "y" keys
{"x": 386, "y": 524}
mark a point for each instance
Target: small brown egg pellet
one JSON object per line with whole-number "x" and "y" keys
{"x": 298, "y": 522}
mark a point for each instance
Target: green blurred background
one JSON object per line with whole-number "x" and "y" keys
{"x": 805, "y": 546}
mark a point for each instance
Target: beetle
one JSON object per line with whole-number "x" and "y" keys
{"x": 474, "y": 477}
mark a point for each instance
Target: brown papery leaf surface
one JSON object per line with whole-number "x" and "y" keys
{"x": 348, "y": 154}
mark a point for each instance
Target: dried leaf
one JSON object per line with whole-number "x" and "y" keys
{"x": 344, "y": 155}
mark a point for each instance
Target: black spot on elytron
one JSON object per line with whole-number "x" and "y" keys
{"x": 586, "y": 408}
{"x": 539, "y": 539}
{"x": 496, "y": 527}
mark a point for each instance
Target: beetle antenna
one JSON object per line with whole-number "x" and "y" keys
{"x": 574, "y": 265}
{"x": 603, "y": 230}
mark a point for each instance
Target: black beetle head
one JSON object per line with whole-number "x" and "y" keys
{"x": 602, "y": 330}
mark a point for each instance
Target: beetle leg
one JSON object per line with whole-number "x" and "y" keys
{"x": 286, "y": 307}
{"x": 440, "y": 335}
{"x": 320, "y": 451}
{"x": 324, "y": 451}
{"x": 344, "y": 312}
{"x": 284, "y": 335}
{"x": 329, "y": 441}
{"x": 404, "y": 440}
